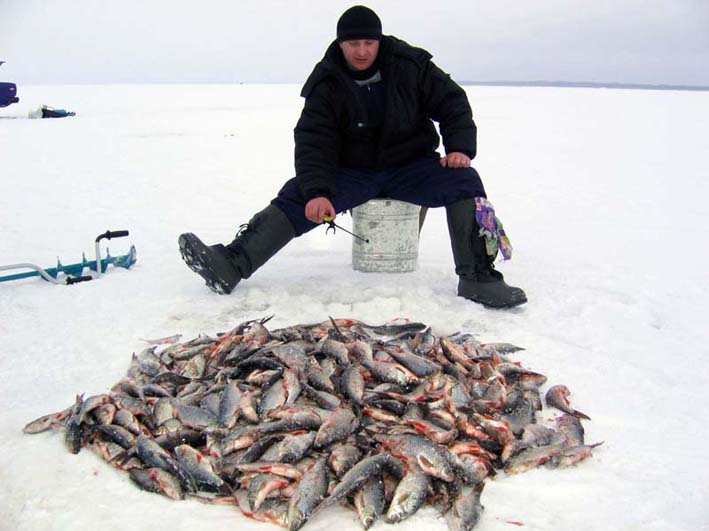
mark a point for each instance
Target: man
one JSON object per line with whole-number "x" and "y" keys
{"x": 366, "y": 131}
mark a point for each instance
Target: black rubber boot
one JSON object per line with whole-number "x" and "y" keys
{"x": 478, "y": 279}
{"x": 224, "y": 266}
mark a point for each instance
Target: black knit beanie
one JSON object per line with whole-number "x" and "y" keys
{"x": 359, "y": 22}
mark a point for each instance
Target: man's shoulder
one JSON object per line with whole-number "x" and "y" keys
{"x": 403, "y": 50}
{"x": 326, "y": 68}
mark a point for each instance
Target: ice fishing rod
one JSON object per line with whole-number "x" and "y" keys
{"x": 334, "y": 226}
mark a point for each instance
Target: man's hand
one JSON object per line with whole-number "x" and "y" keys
{"x": 317, "y": 208}
{"x": 455, "y": 160}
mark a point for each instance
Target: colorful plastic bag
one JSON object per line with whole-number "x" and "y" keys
{"x": 491, "y": 228}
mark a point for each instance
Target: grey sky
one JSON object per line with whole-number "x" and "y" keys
{"x": 178, "y": 41}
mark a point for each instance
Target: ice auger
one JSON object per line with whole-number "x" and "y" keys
{"x": 74, "y": 273}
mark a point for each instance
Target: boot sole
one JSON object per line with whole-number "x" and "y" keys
{"x": 510, "y": 304}
{"x": 197, "y": 257}
{"x": 498, "y": 306}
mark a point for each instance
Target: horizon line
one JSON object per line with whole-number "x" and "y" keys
{"x": 587, "y": 84}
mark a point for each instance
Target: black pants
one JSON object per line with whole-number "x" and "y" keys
{"x": 423, "y": 182}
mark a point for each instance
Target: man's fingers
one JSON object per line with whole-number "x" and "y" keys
{"x": 322, "y": 212}
{"x": 461, "y": 161}
{"x": 455, "y": 160}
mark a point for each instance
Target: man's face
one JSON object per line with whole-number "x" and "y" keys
{"x": 360, "y": 54}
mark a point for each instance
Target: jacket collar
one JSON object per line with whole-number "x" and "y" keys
{"x": 333, "y": 64}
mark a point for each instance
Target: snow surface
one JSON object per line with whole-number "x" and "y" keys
{"x": 603, "y": 193}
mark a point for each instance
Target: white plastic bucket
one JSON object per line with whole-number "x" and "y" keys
{"x": 392, "y": 228}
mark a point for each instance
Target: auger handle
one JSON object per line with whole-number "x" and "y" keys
{"x": 112, "y": 234}
{"x": 108, "y": 235}
{"x": 76, "y": 280}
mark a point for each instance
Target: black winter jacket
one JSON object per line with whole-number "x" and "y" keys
{"x": 331, "y": 131}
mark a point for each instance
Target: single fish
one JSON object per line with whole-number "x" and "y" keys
{"x": 466, "y": 510}
{"x": 334, "y": 349}
{"x": 158, "y": 481}
{"x": 395, "y": 329}
{"x": 199, "y": 466}
{"x": 229, "y": 402}
{"x": 381, "y": 415}
{"x": 409, "y": 496}
{"x": 391, "y": 373}
{"x": 317, "y": 378}
{"x": 572, "y": 456}
{"x": 498, "y": 348}
{"x": 294, "y": 418}
{"x": 352, "y": 383}
{"x": 291, "y": 386}
{"x": 168, "y": 340}
{"x": 309, "y": 494}
{"x": 532, "y": 458}
{"x": 369, "y": 502}
{"x": 273, "y": 398}
{"x": 419, "y": 365}
{"x": 321, "y": 398}
{"x": 456, "y": 354}
{"x": 115, "y": 434}
{"x": 46, "y": 422}
{"x": 129, "y": 421}
{"x": 73, "y": 429}
{"x": 557, "y": 396}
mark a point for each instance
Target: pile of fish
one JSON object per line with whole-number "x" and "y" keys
{"x": 288, "y": 422}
